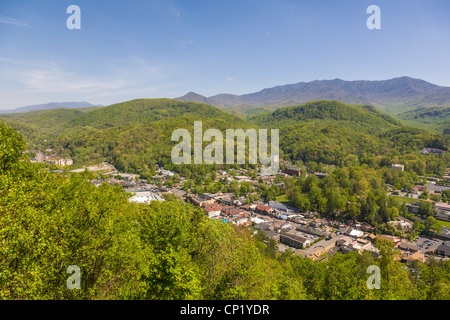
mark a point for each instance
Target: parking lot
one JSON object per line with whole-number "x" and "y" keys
{"x": 426, "y": 244}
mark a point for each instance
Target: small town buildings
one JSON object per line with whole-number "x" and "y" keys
{"x": 443, "y": 249}
{"x": 432, "y": 151}
{"x": 442, "y": 207}
{"x": 320, "y": 175}
{"x": 347, "y": 244}
{"x": 225, "y": 199}
{"x": 267, "y": 179}
{"x": 366, "y": 227}
{"x": 269, "y": 230}
{"x": 407, "y": 246}
{"x": 311, "y": 230}
{"x": 370, "y": 236}
{"x": 444, "y": 234}
{"x": 213, "y": 211}
{"x": 397, "y": 166}
{"x": 411, "y": 256}
{"x": 403, "y": 223}
{"x": 293, "y": 170}
{"x": 145, "y": 197}
{"x": 257, "y": 220}
{"x": 58, "y": 161}
{"x": 262, "y": 209}
{"x": 200, "y": 200}
{"x": 243, "y": 179}
{"x": 353, "y": 233}
{"x": 413, "y": 207}
{"x": 395, "y": 240}
{"x": 278, "y": 206}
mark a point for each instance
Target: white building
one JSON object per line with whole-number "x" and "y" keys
{"x": 397, "y": 166}
{"x": 145, "y": 197}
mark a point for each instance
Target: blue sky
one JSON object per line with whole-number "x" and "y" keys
{"x": 165, "y": 48}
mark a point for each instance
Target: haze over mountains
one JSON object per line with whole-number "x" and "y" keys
{"x": 51, "y": 105}
{"x": 394, "y": 96}
{"x": 391, "y": 96}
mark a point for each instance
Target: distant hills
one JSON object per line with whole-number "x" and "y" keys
{"x": 51, "y": 105}
{"x": 134, "y": 135}
{"x": 391, "y": 96}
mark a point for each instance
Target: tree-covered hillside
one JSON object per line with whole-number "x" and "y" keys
{"x": 43, "y": 124}
{"x": 135, "y": 135}
{"x": 332, "y": 132}
{"x": 434, "y": 119}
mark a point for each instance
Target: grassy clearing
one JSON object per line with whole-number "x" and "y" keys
{"x": 444, "y": 223}
{"x": 282, "y": 199}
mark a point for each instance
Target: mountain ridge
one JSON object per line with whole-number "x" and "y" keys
{"x": 392, "y": 96}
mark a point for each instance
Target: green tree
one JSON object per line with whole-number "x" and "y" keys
{"x": 12, "y": 145}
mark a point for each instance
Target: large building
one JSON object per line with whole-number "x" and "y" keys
{"x": 201, "y": 200}
{"x": 260, "y": 208}
{"x": 442, "y": 210}
{"x": 294, "y": 239}
{"x": 58, "y": 161}
{"x": 278, "y": 206}
{"x": 145, "y": 197}
{"x": 443, "y": 249}
{"x": 293, "y": 170}
{"x": 311, "y": 230}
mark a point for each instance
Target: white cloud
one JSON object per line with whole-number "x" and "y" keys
{"x": 32, "y": 82}
{"x": 54, "y": 79}
{"x": 14, "y": 22}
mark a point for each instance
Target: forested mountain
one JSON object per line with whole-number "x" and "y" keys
{"x": 145, "y": 111}
{"x": 45, "y": 124}
{"x": 325, "y": 110}
{"x": 135, "y": 135}
{"x": 391, "y": 96}
{"x": 336, "y": 133}
{"x": 434, "y": 119}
